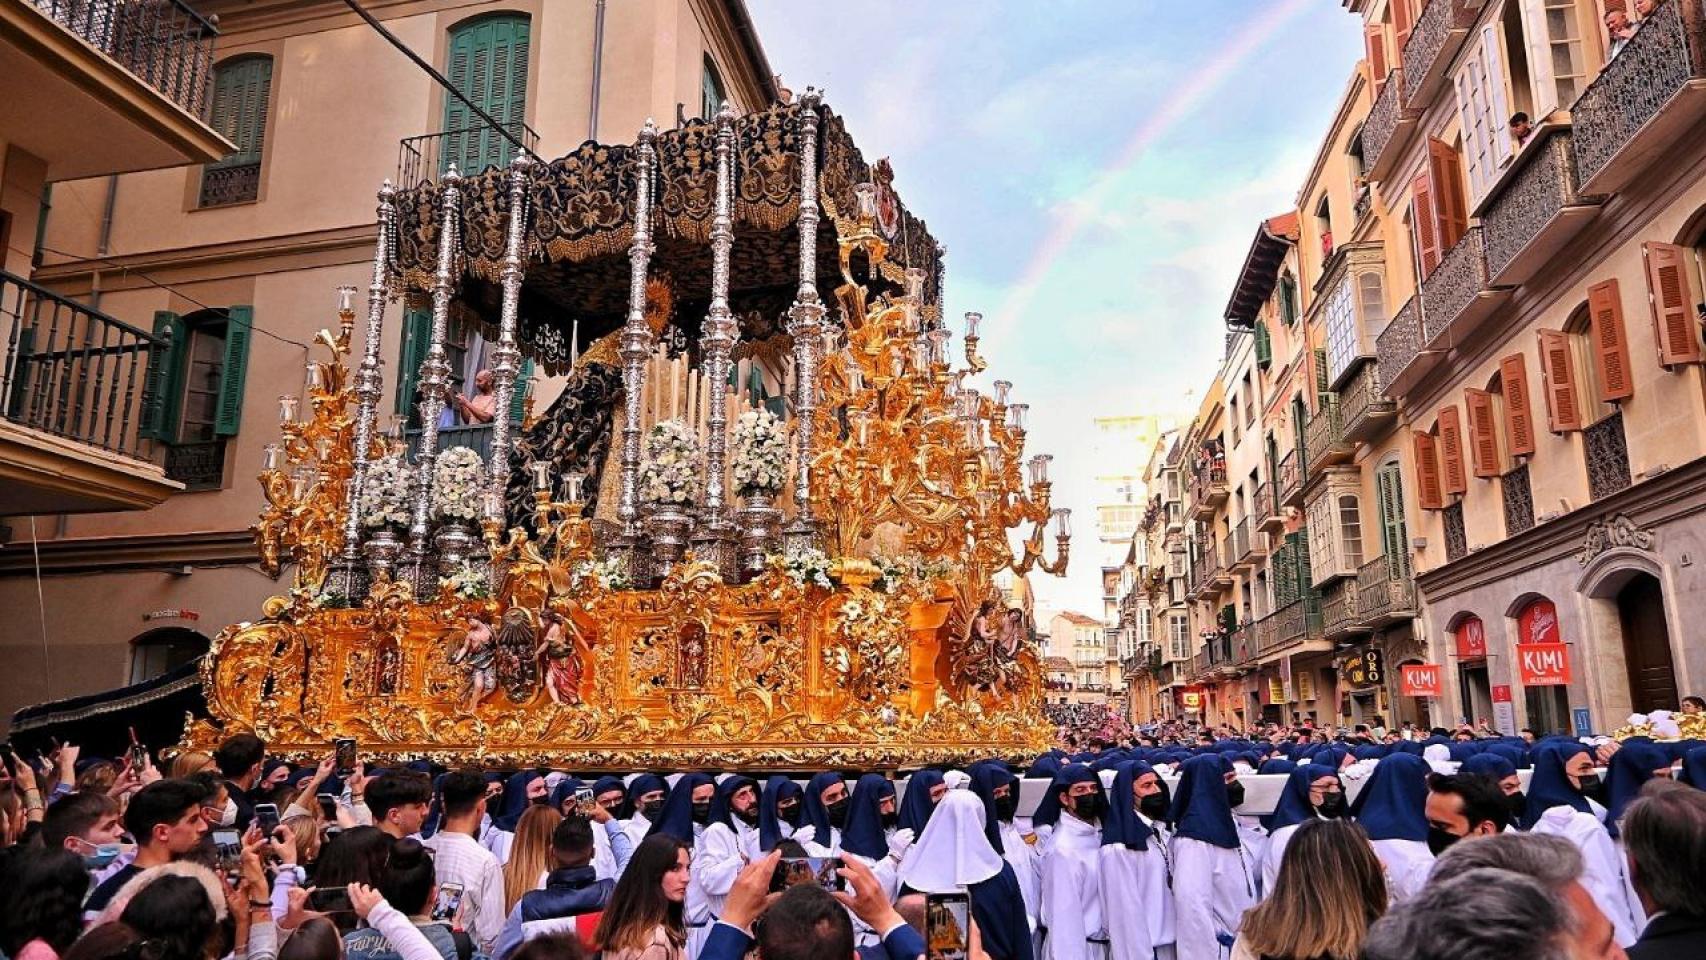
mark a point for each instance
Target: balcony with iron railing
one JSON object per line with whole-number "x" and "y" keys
{"x": 1269, "y": 517}
{"x": 1434, "y": 40}
{"x": 1388, "y": 128}
{"x": 72, "y": 393}
{"x": 1652, "y": 92}
{"x": 474, "y": 148}
{"x": 163, "y": 43}
{"x": 1291, "y": 479}
{"x": 1339, "y": 610}
{"x": 1386, "y": 593}
{"x": 1324, "y": 440}
{"x": 1208, "y": 488}
{"x": 1220, "y": 574}
{"x": 1535, "y": 208}
{"x": 1457, "y": 295}
{"x": 1297, "y": 622}
{"x": 1242, "y": 557}
{"x": 1401, "y": 350}
{"x": 1607, "y": 451}
{"x": 1364, "y": 405}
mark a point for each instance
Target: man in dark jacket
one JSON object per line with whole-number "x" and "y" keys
{"x": 573, "y": 898}
{"x": 1664, "y": 831}
{"x": 806, "y": 922}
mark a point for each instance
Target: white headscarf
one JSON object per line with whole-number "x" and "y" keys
{"x": 1438, "y": 756}
{"x": 953, "y": 851}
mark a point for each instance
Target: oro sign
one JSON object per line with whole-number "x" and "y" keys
{"x": 1543, "y": 664}
{"x": 1419, "y": 680}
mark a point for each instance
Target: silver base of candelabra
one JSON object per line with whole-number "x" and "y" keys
{"x": 381, "y": 551}
{"x": 760, "y": 527}
{"x": 346, "y": 583}
{"x": 717, "y": 542}
{"x": 799, "y": 536}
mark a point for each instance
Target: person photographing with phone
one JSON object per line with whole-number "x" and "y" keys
{"x": 574, "y": 897}
{"x": 807, "y": 922}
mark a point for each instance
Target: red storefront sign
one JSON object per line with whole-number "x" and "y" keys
{"x": 1543, "y": 664}
{"x": 1419, "y": 680}
{"x": 1502, "y": 693}
{"x": 1538, "y": 623}
{"x": 1472, "y": 639}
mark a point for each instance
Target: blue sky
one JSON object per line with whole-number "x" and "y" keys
{"x": 1096, "y": 171}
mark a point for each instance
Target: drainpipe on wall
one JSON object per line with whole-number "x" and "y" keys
{"x": 597, "y": 68}
{"x": 104, "y": 246}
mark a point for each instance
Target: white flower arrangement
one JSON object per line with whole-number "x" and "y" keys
{"x": 671, "y": 471}
{"x": 457, "y": 476}
{"x": 808, "y": 568}
{"x": 611, "y": 573}
{"x": 912, "y": 566}
{"x": 760, "y": 453}
{"x": 467, "y": 583}
{"x": 385, "y": 494}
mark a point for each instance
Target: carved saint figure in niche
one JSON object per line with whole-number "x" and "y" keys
{"x": 386, "y": 666}
{"x": 979, "y": 663}
{"x": 563, "y": 666}
{"x": 479, "y": 653}
{"x": 691, "y": 653}
{"x": 517, "y": 664}
{"x": 1014, "y": 632}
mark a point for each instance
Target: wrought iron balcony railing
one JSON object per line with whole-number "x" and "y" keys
{"x": 1339, "y": 609}
{"x": 164, "y": 43}
{"x": 1399, "y": 345}
{"x": 1291, "y": 479}
{"x": 1534, "y": 210}
{"x": 1629, "y": 113}
{"x": 1389, "y": 125}
{"x": 1607, "y": 456}
{"x": 1456, "y": 534}
{"x": 1518, "y": 496}
{"x": 1241, "y": 541}
{"x": 1324, "y": 438}
{"x": 1364, "y": 405}
{"x": 472, "y": 149}
{"x": 72, "y": 371}
{"x": 1434, "y": 40}
{"x": 1385, "y": 592}
{"x": 1456, "y": 294}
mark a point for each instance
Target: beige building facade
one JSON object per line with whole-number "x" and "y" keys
{"x": 234, "y": 262}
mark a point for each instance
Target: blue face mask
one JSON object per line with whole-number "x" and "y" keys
{"x": 96, "y": 856}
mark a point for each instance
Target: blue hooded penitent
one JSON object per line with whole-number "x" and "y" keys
{"x": 776, "y": 789}
{"x": 721, "y": 811}
{"x": 1392, "y": 804}
{"x": 564, "y": 791}
{"x": 1108, "y": 760}
{"x": 1274, "y": 765}
{"x": 1626, "y": 771}
{"x": 916, "y": 806}
{"x": 1550, "y": 786}
{"x": 1048, "y": 812}
{"x": 1488, "y": 763}
{"x": 1046, "y": 765}
{"x": 1200, "y": 809}
{"x": 1516, "y": 753}
{"x": 604, "y": 785}
{"x": 1677, "y": 749}
{"x": 1121, "y": 824}
{"x": 1293, "y": 806}
{"x": 863, "y": 834}
{"x": 513, "y": 802}
{"x": 816, "y": 815}
{"x": 1694, "y": 768}
{"x": 676, "y": 817}
{"x": 985, "y": 776}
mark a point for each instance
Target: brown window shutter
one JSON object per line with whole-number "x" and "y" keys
{"x": 1483, "y": 432}
{"x": 1452, "y": 476}
{"x": 1427, "y": 472}
{"x": 1402, "y": 21}
{"x": 1451, "y": 208}
{"x": 1374, "y": 40}
{"x": 1422, "y": 220}
{"x": 1668, "y": 293}
{"x": 1563, "y": 406}
{"x": 1519, "y": 420}
{"x": 1610, "y": 342}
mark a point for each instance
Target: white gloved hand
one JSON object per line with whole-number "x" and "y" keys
{"x": 899, "y": 842}
{"x": 804, "y": 835}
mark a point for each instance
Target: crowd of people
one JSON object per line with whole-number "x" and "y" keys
{"x": 1291, "y": 844}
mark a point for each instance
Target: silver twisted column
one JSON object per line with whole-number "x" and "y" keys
{"x": 435, "y": 374}
{"x": 369, "y": 380}
{"x": 636, "y": 343}
{"x": 717, "y": 338}
{"x": 805, "y": 326}
{"x": 506, "y": 356}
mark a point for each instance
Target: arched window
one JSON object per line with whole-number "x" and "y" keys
{"x": 488, "y": 58}
{"x": 161, "y": 651}
{"x": 242, "y": 89}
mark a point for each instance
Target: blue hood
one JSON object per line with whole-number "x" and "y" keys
{"x": 916, "y": 807}
{"x": 816, "y": 815}
{"x": 1392, "y": 805}
{"x": 1627, "y": 770}
{"x": 676, "y": 817}
{"x": 1293, "y": 806}
{"x": 864, "y": 834}
{"x": 513, "y": 802}
{"x": 985, "y": 777}
{"x": 721, "y": 812}
{"x": 1200, "y": 809}
{"x": 1122, "y": 825}
{"x": 1048, "y": 812}
{"x": 1550, "y": 786}
{"x": 776, "y": 789}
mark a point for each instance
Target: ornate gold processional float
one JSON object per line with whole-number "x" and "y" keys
{"x": 775, "y": 547}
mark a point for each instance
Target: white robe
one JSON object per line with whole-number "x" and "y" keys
{"x": 1071, "y": 890}
{"x": 815, "y": 849}
{"x": 603, "y": 858}
{"x": 1407, "y": 864}
{"x": 698, "y": 905}
{"x": 723, "y": 852}
{"x": 1212, "y": 887}
{"x": 1139, "y": 884}
{"x": 1604, "y": 873}
{"x": 1024, "y": 859}
{"x": 636, "y": 827}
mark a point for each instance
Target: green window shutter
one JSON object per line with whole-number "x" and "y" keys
{"x": 239, "y": 330}
{"x": 162, "y": 392}
{"x": 518, "y": 399}
{"x": 1323, "y": 393}
{"x": 1264, "y": 346}
{"x": 1288, "y": 300}
{"x": 711, "y": 94}
{"x": 417, "y": 331}
{"x": 241, "y": 92}
{"x": 1394, "y": 539}
{"x": 488, "y": 64}
{"x": 1300, "y": 550}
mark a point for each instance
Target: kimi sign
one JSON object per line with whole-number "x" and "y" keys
{"x": 1543, "y": 664}
{"x": 1419, "y": 680}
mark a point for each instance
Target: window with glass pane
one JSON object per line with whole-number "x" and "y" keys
{"x": 1372, "y": 298}
{"x": 1341, "y": 330}
{"x": 203, "y": 373}
{"x": 1322, "y": 553}
{"x": 1481, "y": 105}
{"x": 711, "y": 95}
{"x": 1350, "y": 532}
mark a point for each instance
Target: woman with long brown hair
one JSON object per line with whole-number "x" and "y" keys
{"x": 530, "y": 853}
{"x": 1329, "y": 890}
{"x": 645, "y": 918}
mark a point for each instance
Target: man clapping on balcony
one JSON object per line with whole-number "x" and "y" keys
{"x": 481, "y": 407}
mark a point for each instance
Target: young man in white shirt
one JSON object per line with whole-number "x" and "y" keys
{"x": 459, "y": 858}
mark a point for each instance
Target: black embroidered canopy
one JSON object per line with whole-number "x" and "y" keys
{"x": 582, "y": 221}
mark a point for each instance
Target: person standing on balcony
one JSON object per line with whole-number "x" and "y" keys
{"x": 1619, "y": 28}
{"x": 481, "y": 407}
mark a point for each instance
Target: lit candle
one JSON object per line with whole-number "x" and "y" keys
{"x": 323, "y": 449}
{"x": 1001, "y": 389}
{"x": 897, "y": 364}
{"x": 316, "y": 377}
{"x": 1042, "y": 460}
{"x": 1016, "y": 416}
{"x": 921, "y": 354}
{"x": 572, "y": 484}
{"x": 301, "y": 483}
{"x": 494, "y": 505}
{"x": 1062, "y": 523}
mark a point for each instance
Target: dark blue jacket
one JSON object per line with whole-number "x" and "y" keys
{"x": 728, "y": 942}
{"x": 569, "y": 892}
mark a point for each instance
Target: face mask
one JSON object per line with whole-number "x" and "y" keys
{"x": 701, "y": 811}
{"x": 651, "y": 807}
{"x": 542, "y": 798}
{"x": 789, "y": 813}
{"x": 1591, "y": 786}
{"x": 228, "y": 816}
{"x": 837, "y": 813}
{"x": 1235, "y": 793}
{"x": 1332, "y": 806}
{"x": 1006, "y": 807}
{"x": 96, "y": 856}
{"x": 1088, "y": 806}
{"x": 1439, "y": 840}
{"x": 1518, "y": 803}
{"x": 1153, "y": 806}
{"x": 891, "y": 820}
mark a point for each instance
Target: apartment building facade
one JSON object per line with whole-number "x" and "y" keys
{"x": 229, "y": 260}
